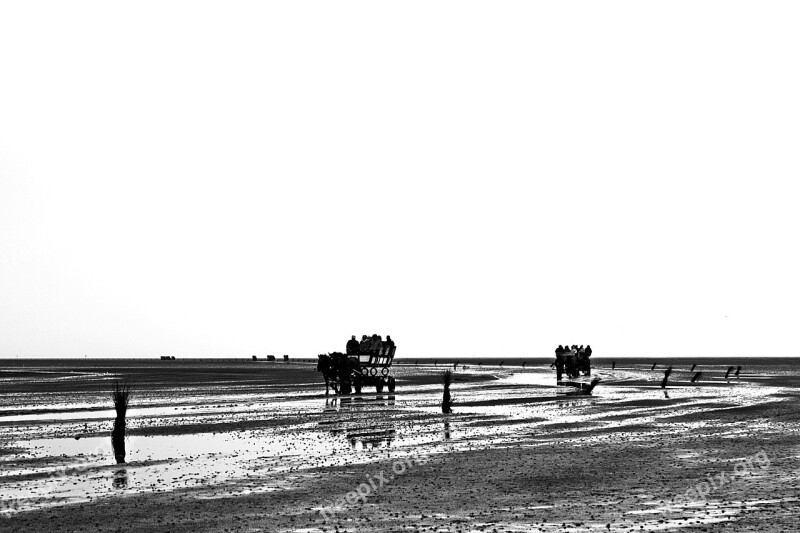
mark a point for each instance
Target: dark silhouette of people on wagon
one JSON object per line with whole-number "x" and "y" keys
{"x": 353, "y": 346}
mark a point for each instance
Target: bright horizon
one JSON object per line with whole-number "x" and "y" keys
{"x": 473, "y": 179}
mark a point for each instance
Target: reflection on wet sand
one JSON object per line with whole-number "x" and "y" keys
{"x": 120, "y": 479}
{"x": 366, "y": 426}
{"x": 296, "y": 429}
{"x": 370, "y": 440}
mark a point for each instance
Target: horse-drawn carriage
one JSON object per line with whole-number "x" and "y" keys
{"x": 572, "y": 362}
{"x": 365, "y": 364}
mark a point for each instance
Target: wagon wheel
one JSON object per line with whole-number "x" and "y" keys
{"x": 385, "y": 371}
{"x": 373, "y": 371}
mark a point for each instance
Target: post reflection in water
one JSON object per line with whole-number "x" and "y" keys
{"x": 446, "y": 430}
{"x": 120, "y": 479}
{"x": 118, "y": 441}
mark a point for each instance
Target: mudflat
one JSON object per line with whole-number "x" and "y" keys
{"x": 254, "y": 446}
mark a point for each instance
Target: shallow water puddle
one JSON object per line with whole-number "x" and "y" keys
{"x": 171, "y": 462}
{"x": 226, "y": 405}
{"x": 157, "y": 463}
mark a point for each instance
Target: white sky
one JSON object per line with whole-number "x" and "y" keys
{"x": 472, "y": 178}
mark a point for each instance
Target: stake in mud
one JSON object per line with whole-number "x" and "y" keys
{"x": 120, "y": 395}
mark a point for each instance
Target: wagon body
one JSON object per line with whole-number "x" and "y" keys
{"x": 375, "y": 363}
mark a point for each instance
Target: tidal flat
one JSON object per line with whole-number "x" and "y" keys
{"x": 238, "y": 445}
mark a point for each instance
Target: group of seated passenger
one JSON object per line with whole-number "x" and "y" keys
{"x": 573, "y": 361}
{"x": 574, "y": 350}
{"x": 369, "y": 345}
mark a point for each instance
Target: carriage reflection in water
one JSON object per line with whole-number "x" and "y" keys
{"x": 366, "y": 364}
{"x": 362, "y": 427}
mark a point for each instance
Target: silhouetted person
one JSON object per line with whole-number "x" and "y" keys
{"x": 376, "y": 344}
{"x": 352, "y": 346}
{"x": 583, "y": 364}
{"x": 364, "y": 345}
{"x": 559, "y": 364}
{"x": 587, "y": 363}
{"x": 388, "y": 344}
{"x": 569, "y": 366}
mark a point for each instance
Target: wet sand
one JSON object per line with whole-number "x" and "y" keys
{"x": 251, "y": 446}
